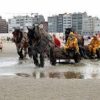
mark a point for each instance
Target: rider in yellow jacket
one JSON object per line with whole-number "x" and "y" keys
{"x": 94, "y": 45}
{"x": 72, "y": 42}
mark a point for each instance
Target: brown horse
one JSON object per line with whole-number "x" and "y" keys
{"x": 39, "y": 42}
{"x": 21, "y": 41}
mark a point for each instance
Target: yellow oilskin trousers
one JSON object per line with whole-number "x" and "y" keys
{"x": 94, "y": 45}
{"x": 72, "y": 44}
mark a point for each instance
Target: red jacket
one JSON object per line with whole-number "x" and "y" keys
{"x": 57, "y": 42}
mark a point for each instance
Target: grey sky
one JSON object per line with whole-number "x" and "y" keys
{"x": 9, "y": 8}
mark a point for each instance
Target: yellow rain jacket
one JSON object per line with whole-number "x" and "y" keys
{"x": 94, "y": 45}
{"x": 72, "y": 42}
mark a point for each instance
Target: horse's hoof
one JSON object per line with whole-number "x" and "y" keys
{"x": 36, "y": 64}
{"x": 20, "y": 58}
{"x": 41, "y": 65}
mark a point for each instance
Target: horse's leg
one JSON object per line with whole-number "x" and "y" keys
{"x": 25, "y": 52}
{"x": 41, "y": 59}
{"x": 1, "y": 49}
{"x": 30, "y": 53}
{"x": 20, "y": 53}
{"x": 83, "y": 52}
{"x": 35, "y": 58}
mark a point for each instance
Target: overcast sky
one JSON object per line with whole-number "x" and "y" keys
{"x": 9, "y": 8}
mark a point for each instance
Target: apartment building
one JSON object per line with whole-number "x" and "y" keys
{"x": 80, "y": 22}
{"x": 3, "y": 25}
{"x": 88, "y": 25}
{"x": 77, "y": 21}
{"x": 52, "y": 24}
{"x": 19, "y": 21}
{"x": 60, "y": 23}
{"x": 96, "y": 22}
{"x": 67, "y": 21}
{"x": 24, "y": 21}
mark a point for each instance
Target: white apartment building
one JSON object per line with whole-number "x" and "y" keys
{"x": 87, "y": 25}
{"x": 19, "y": 22}
{"x": 24, "y": 21}
{"x": 52, "y": 24}
{"x": 80, "y": 22}
{"x": 91, "y": 25}
{"x": 96, "y": 22}
{"x": 67, "y": 21}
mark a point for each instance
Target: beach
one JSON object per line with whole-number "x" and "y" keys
{"x": 19, "y": 88}
{"x": 14, "y": 87}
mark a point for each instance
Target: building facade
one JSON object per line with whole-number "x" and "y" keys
{"x": 77, "y": 21}
{"x": 60, "y": 23}
{"x": 19, "y": 22}
{"x": 24, "y": 22}
{"x": 88, "y": 25}
{"x": 3, "y": 26}
{"x": 96, "y": 22}
{"x": 80, "y": 22}
{"x": 67, "y": 21}
{"x": 52, "y": 24}
{"x": 91, "y": 25}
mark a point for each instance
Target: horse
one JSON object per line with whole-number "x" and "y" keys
{"x": 39, "y": 42}
{"x": 21, "y": 41}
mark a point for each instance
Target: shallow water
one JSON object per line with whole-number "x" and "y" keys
{"x": 86, "y": 69}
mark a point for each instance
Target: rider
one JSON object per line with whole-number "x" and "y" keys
{"x": 94, "y": 45}
{"x": 72, "y": 42}
{"x": 67, "y": 32}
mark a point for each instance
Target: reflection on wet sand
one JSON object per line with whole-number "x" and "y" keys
{"x": 66, "y": 75}
{"x": 69, "y": 75}
{"x": 38, "y": 75}
{"x": 59, "y": 75}
{"x": 23, "y": 74}
{"x": 54, "y": 75}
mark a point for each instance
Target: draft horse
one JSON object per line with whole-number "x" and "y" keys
{"x": 21, "y": 41}
{"x": 39, "y": 43}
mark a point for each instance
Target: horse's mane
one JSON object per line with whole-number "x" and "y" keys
{"x": 17, "y": 33}
{"x": 43, "y": 32}
{"x": 36, "y": 32}
{"x": 31, "y": 32}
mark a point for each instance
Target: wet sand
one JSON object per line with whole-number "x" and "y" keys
{"x": 9, "y": 49}
{"x": 29, "y": 88}
{"x": 19, "y": 88}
